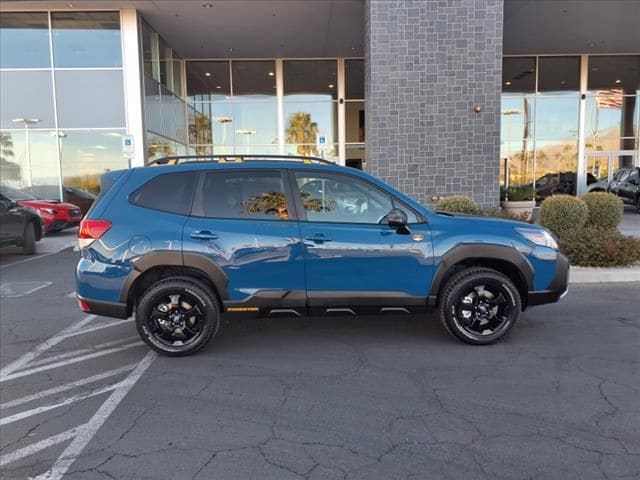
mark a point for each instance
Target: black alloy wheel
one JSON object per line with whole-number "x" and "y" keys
{"x": 480, "y": 306}
{"x": 178, "y": 316}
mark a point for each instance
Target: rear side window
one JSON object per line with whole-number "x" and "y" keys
{"x": 169, "y": 192}
{"x": 244, "y": 195}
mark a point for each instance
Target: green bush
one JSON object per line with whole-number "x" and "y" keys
{"x": 563, "y": 214}
{"x": 518, "y": 193}
{"x": 458, "y": 204}
{"x": 599, "y": 247}
{"x": 605, "y": 209}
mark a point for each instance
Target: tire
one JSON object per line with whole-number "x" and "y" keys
{"x": 638, "y": 204}
{"x": 479, "y": 306}
{"x": 29, "y": 240}
{"x": 163, "y": 321}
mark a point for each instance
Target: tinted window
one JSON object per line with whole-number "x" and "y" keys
{"x": 170, "y": 192}
{"x": 623, "y": 175}
{"x": 255, "y": 195}
{"x": 634, "y": 175}
{"x": 24, "y": 40}
{"x": 344, "y": 199}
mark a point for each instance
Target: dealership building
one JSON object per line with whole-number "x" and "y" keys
{"x": 437, "y": 97}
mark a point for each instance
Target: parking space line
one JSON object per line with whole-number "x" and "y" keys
{"x": 73, "y": 353}
{"x": 45, "y": 408}
{"x": 68, "y": 386}
{"x": 43, "y": 347}
{"x": 36, "y": 257}
{"x": 98, "y": 327}
{"x": 38, "y": 446}
{"x": 63, "y": 363}
{"x": 87, "y": 431}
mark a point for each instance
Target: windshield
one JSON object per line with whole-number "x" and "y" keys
{"x": 15, "y": 195}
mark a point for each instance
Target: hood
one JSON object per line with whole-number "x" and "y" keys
{"x": 55, "y": 204}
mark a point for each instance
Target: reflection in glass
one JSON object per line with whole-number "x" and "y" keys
{"x": 24, "y": 40}
{"x": 147, "y": 50}
{"x": 28, "y": 95}
{"x": 355, "y": 156}
{"x": 259, "y": 118}
{"x": 618, "y": 71}
{"x": 90, "y": 98}
{"x": 354, "y": 79}
{"x": 304, "y": 121}
{"x": 556, "y": 117}
{"x": 87, "y": 155}
{"x": 556, "y": 156}
{"x": 208, "y": 81}
{"x": 86, "y": 39}
{"x": 253, "y": 80}
{"x": 310, "y": 80}
{"x": 28, "y": 159}
{"x": 172, "y": 111}
{"x": 158, "y": 147}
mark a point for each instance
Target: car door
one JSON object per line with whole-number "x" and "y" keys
{"x": 354, "y": 261}
{"x": 242, "y": 222}
{"x": 11, "y": 221}
{"x": 628, "y": 188}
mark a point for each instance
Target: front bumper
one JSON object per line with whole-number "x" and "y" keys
{"x": 557, "y": 288}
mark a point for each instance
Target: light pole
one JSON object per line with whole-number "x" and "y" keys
{"x": 509, "y": 113}
{"x": 26, "y": 122}
{"x": 246, "y": 133}
{"x": 223, "y": 121}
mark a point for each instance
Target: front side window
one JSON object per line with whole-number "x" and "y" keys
{"x": 170, "y": 192}
{"x": 244, "y": 195}
{"x": 338, "y": 198}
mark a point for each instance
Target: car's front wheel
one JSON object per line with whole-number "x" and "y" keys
{"x": 178, "y": 316}
{"x": 29, "y": 240}
{"x": 480, "y": 306}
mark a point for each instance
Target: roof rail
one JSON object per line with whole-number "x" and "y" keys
{"x": 178, "y": 159}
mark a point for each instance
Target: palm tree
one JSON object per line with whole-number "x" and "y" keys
{"x": 9, "y": 170}
{"x": 302, "y": 130}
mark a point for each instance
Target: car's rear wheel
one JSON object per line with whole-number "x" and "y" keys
{"x": 178, "y": 316}
{"x": 480, "y": 306}
{"x": 29, "y": 240}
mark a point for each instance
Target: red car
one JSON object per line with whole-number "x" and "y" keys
{"x": 56, "y": 215}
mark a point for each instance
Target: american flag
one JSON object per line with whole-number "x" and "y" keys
{"x": 609, "y": 98}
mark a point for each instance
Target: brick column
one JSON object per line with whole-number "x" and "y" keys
{"x": 427, "y": 65}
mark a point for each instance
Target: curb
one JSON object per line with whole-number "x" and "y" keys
{"x": 604, "y": 275}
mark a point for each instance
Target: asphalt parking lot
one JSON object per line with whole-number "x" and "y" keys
{"x": 321, "y": 398}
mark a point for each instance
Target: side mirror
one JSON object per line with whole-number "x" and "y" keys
{"x": 397, "y": 219}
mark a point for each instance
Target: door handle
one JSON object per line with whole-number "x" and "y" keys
{"x": 318, "y": 238}
{"x": 204, "y": 235}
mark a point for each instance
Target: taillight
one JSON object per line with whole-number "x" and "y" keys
{"x": 91, "y": 230}
{"x": 84, "y": 306}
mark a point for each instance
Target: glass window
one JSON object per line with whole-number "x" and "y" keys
{"x": 519, "y": 74}
{"x": 158, "y": 147}
{"x": 556, "y": 117}
{"x": 30, "y": 159}
{"x": 87, "y": 155}
{"x": 169, "y": 192}
{"x": 615, "y": 72}
{"x": 254, "y": 80}
{"x": 303, "y": 122}
{"x": 87, "y": 99}
{"x": 244, "y": 195}
{"x": 152, "y": 107}
{"x": 86, "y": 39}
{"x": 354, "y": 122}
{"x": 208, "y": 81}
{"x": 26, "y": 95}
{"x": 147, "y": 49}
{"x": 341, "y": 199}
{"x": 173, "y": 121}
{"x": 24, "y": 40}
{"x": 310, "y": 80}
{"x": 354, "y": 79}
{"x": 254, "y": 123}
{"x": 558, "y": 73}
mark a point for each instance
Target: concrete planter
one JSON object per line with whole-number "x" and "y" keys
{"x": 519, "y": 209}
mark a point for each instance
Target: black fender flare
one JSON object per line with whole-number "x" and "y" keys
{"x": 171, "y": 258}
{"x": 480, "y": 251}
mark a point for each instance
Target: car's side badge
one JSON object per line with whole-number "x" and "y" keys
{"x": 417, "y": 237}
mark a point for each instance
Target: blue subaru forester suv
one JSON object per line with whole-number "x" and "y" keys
{"x": 182, "y": 244}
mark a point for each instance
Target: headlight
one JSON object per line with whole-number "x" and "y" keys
{"x": 539, "y": 237}
{"x": 49, "y": 210}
